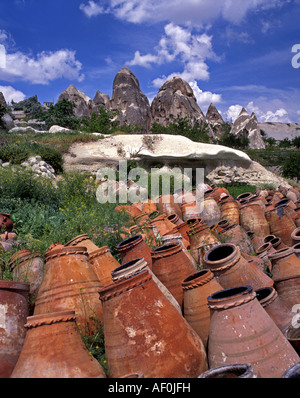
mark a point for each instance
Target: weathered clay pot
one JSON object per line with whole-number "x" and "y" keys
{"x": 196, "y": 288}
{"x": 28, "y": 267}
{"x": 241, "y": 331}
{"x": 252, "y": 218}
{"x": 210, "y": 211}
{"x": 190, "y": 210}
{"x": 166, "y": 204}
{"x": 70, "y": 283}
{"x": 201, "y": 241}
{"x": 6, "y": 223}
{"x": 293, "y": 372}
{"x": 184, "y": 245}
{"x": 256, "y": 241}
{"x": 83, "y": 241}
{"x": 277, "y": 244}
{"x": 275, "y": 307}
{"x": 14, "y": 311}
{"x": 171, "y": 267}
{"x": 285, "y": 264}
{"x": 236, "y": 234}
{"x": 134, "y": 247}
{"x": 235, "y": 371}
{"x": 131, "y": 210}
{"x": 144, "y": 332}
{"x": 53, "y": 348}
{"x": 268, "y": 238}
{"x": 281, "y": 224}
{"x": 296, "y": 249}
{"x": 245, "y": 196}
{"x": 231, "y": 269}
{"x": 286, "y": 201}
{"x": 230, "y": 210}
{"x": 149, "y": 206}
{"x": 162, "y": 224}
{"x": 174, "y": 218}
{"x": 141, "y": 219}
{"x": 295, "y": 236}
{"x": 133, "y": 267}
{"x": 293, "y": 336}
{"x": 103, "y": 263}
{"x": 264, "y": 252}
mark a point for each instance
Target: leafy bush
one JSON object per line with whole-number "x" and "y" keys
{"x": 29, "y": 105}
{"x": 291, "y": 165}
{"x": 100, "y": 122}
{"x": 62, "y": 113}
{"x": 233, "y": 141}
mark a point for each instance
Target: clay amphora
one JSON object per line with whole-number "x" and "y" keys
{"x": 70, "y": 283}
{"x": 134, "y": 247}
{"x": 293, "y": 336}
{"x": 83, "y": 241}
{"x": 171, "y": 267}
{"x": 144, "y": 332}
{"x": 289, "y": 291}
{"x": 149, "y": 206}
{"x": 196, "y": 288}
{"x": 14, "y": 311}
{"x": 281, "y": 224}
{"x": 174, "y": 218}
{"x": 252, "y": 218}
{"x": 286, "y": 201}
{"x": 293, "y": 372}
{"x": 296, "y": 249}
{"x": 6, "y": 223}
{"x": 285, "y": 264}
{"x": 230, "y": 210}
{"x": 131, "y": 210}
{"x": 210, "y": 211}
{"x": 295, "y": 236}
{"x": 231, "y": 269}
{"x": 103, "y": 263}
{"x": 53, "y": 348}
{"x": 241, "y": 331}
{"x": 201, "y": 241}
{"x": 235, "y": 371}
{"x": 166, "y": 204}
{"x": 190, "y": 210}
{"x": 236, "y": 234}
{"x": 178, "y": 238}
{"x": 277, "y": 244}
{"x": 275, "y": 307}
{"x": 264, "y": 252}
{"x": 256, "y": 241}
{"x": 133, "y": 267}
{"x": 162, "y": 224}
{"x": 245, "y": 196}
{"x": 141, "y": 219}
{"x": 28, "y": 267}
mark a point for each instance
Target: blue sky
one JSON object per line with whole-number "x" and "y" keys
{"x": 234, "y": 53}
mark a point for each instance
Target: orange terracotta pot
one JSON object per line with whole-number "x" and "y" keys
{"x": 196, "y": 288}
{"x": 144, "y": 332}
{"x": 295, "y": 236}
{"x": 277, "y": 244}
{"x": 166, "y": 204}
{"x": 162, "y": 224}
{"x": 201, "y": 241}
{"x": 245, "y": 196}
{"x": 210, "y": 212}
{"x": 14, "y": 312}
{"x": 83, "y": 241}
{"x": 134, "y": 247}
{"x": 132, "y": 211}
{"x": 184, "y": 245}
{"x": 241, "y": 331}
{"x": 149, "y": 206}
{"x": 6, "y": 223}
{"x": 190, "y": 211}
{"x": 285, "y": 264}
{"x": 70, "y": 283}
{"x": 235, "y": 371}
{"x": 171, "y": 266}
{"x": 281, "y": 224}
{"x": 252, "y": 218}
{"x": 53, "y": 348}
{"x": 234, "y": 233}
{"x": 103, "y": 263}
{"x": 174, "y": 218}
{"x": 296, "y": 249}
{"x": 230, "y": 211}
{"x": 231, "y": 269}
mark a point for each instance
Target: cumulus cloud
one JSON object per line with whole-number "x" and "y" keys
{"x": 11, "y": 94}
{"x": 279, "y": 115}
{"x": 196, "y": 12}
{"x": 43, "y": 68}
{"x": 204, "y": 98}
{"x": 179, "y": 44}
{"x": 233, "y": 112}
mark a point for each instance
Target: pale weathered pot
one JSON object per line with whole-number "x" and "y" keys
{"x": 83, "y": 241}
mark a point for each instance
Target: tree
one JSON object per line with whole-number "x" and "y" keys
{"x": 100, "y": 122}
{"x": 291, "y": 165}
{"x": 28, "y": 106}
{"x": 3, "y": 111}
{"x": 296, "y": 142}
{"x": 62, "y": 114}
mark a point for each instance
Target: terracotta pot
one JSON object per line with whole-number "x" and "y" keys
{"x": 70, "y": 283}
{"x": 264, "y": 252}
{"x": 296, "y": 249}
{"x": 215, "y": 193}
{"x": 14, "y": 311}
{"x": 201, "y": 241}
{"x": 295, "y": 236}
{"x": 141, "y": 219}
{"x": 83, "y": 241}
{"x": 236, "y": 371}
{"x": 183, "y": 230}
{"x": 210, "y": 212}
{"x": 231, "y": 269}
{"x": 236, "y": 234}
{"x": 133, "y": 267}
{"x": 55, "y": 245}
{"x": 190, "y": 210}
{"x": 166, "y": 204}
{"x": 220, "y": 226}
{"x": 275, "y": 307}
{"x": 285, "y": 264}
{"x": 134, "y": 247}
{"x": 6, "y": 223}
{"x": 184, "y": 245}
{"x": 230, "y": 210}
{"x": 149, "y": 206}
{"x": 28, "y": 267}
{"x": 103, "y": 263}
{"x": 281, "y": 224}
{"x": 171, "y": 267}
{"x": 245, "y": 196}
{"x": 174, "y": 218}
{"x": 293, "y": 372}
{"x": 196, "y": 288}
{"x": 256, "y": 241}
{"x": 293, "y": 336}
{"x": 144, "y": 332}
{"x": 289, "y": 291}
{"x": 268, "y": 238}
{"x": 162, "y": 224}
{"x": 241, "y": 331}
{"x": 286, "y": 201}
{"x": 277, "y": 244}
{"x": 53, "y": 348}
{"x": 252, "y": 218}
{"x": 132, "y": 211}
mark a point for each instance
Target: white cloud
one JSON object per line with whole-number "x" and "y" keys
{"x": 196, "y": 12}
{"x": 43, "y": 68}
{"x": 179, "y": 44}
{"x": 91, "y": 9}
{"x": 233, "y": 112}
{"x": 205, "y": 98}
{"x": 10, "y": 93}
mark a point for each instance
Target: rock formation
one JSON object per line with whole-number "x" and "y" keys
{"x": 214, "y": 118}
{"x": 100, "y": 99}
{"x": 247, "y": 126}
{"x": 131, "y": 103}
{"x": 84, "y": 104}
{"x": 2, "y": 99}
{"x": 6, "y": 120}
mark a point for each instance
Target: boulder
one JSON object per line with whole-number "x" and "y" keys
{"x": 129, "y": 101}
{"x": 247, "y": 126}
{"x": 58, "y": 129}
{"x": 84, "y": 104}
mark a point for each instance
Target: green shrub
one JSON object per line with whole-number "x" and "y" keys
{"x": 291, "y": 165}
